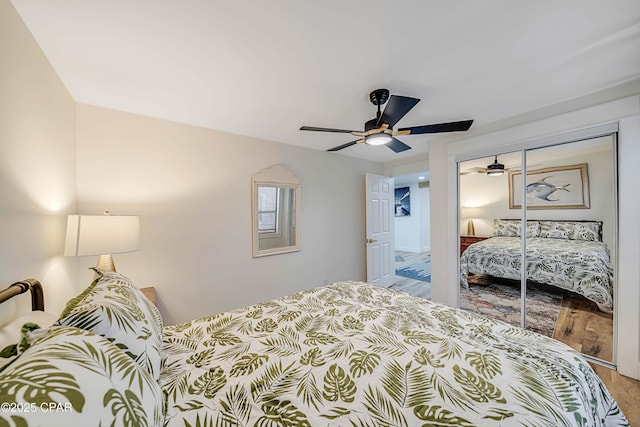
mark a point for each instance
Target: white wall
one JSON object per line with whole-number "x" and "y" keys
{"x": 412, "y": 232}
{"x": 628, "y": 301}
{"x": 424, "y": 198}
{"x": 445, "y": 225}
{"x": 192, "y": 189}
{"x": 37, "y": 167}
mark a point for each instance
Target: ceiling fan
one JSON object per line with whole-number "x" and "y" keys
{"x": 379, "y": 131}
{"x": 494, "y": 169}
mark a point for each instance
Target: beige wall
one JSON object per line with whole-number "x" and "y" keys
{"x": 192, "y": 189}
{"x": 37, "y": 166}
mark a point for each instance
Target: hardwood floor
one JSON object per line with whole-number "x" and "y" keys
{"x": 413, "y": 287}
{"x": 584, "y": 328}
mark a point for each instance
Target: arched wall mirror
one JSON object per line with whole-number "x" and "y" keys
{"x": 558, "y": 277}
{"x": 275, "y": 212}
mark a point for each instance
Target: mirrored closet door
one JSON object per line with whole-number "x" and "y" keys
{"x": 489, "y": 284}
{"x": 556, "y": 277}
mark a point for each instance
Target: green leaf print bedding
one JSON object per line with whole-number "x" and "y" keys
{"x": 355, "y": 354}
{"x": 579, "y": 266}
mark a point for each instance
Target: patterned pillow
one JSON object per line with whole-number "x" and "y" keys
{"x": 572, "y": 230}
{"x": 513, "y": 228}
{"x": 119, "y": 311}
{"x": 71, "y": 377}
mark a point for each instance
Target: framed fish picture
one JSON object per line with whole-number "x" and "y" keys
{"x": 560, "y": 187}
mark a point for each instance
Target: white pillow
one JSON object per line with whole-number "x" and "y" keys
{"x": 10, "y": 333}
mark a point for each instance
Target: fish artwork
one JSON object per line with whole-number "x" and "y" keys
{"x": 543, "y": 189}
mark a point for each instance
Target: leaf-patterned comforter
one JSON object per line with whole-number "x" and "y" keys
{"x": 354, "y": 354}
{"x": 576, "y": 265}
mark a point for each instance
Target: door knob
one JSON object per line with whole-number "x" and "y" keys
{"x": 371, "y": 240}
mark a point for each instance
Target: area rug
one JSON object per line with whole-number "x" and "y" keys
{"x": 500, "y": 299}
{"x": 418, "y": 271}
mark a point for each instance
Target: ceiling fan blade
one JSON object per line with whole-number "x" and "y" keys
{"x": 473, "y": 170}
{"x": 398, "y": 146}
{"x": 316, "y": 129}
{"x": 396, "y": 108}
{"x": 437, "y": 128}
{"x": 348, "y": 144}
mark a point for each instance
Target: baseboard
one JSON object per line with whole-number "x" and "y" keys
{"x": 413, "y": 250}
{"x": 629, "y": 368}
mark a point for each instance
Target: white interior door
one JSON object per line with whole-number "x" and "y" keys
{"x": 380, "y": 230}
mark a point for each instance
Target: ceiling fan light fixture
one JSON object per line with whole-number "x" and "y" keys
{"x": 378, "y": 139}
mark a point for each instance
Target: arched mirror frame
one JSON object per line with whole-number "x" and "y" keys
{"x": 524, "y": 148}
{"x": 278, "y": 177}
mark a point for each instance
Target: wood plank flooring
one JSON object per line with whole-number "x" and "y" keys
{"x": 584, "y": 328}
{"x": 413, "y": 287}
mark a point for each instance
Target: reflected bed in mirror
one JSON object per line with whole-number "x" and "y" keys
{"x": 275, "y": 212}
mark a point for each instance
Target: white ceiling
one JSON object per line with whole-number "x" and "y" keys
{"x": 264, "y": 68}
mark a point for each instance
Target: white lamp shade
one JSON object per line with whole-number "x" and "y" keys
{"x": 101, "y": 234}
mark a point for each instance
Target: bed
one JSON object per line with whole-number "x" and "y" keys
{"x": 346, "y": 354}
{"x": 566, "y": 254}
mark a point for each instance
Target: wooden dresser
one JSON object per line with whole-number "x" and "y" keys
{"x": 465, "y": 241}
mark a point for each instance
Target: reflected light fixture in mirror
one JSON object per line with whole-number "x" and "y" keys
{"x": 102, "y": 235}
{"x": 495, "y": 168}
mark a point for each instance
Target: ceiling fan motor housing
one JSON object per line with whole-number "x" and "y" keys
{"x": 495, "y": 168}
{"x": 379, "y": 96}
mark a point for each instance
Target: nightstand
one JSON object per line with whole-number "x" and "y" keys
{"x": 465, "y": 241}
{"x": 150, "y": 292}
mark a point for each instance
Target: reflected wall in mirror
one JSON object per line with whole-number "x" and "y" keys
{"x": 567, "y": 288}
{"x": 275, "y": 212}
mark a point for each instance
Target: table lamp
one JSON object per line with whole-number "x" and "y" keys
{"x": 102, "y": 235}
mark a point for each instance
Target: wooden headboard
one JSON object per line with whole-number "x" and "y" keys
{"x": 33, "y": 285}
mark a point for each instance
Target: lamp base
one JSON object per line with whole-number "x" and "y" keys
{"x": 105, "y": 262}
